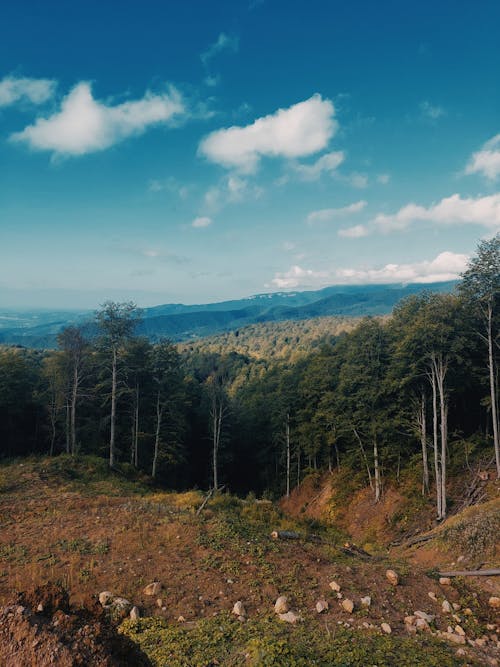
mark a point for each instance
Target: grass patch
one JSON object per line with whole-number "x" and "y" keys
{"x": 475, "y": 531}
{"x": 266, "y": 642}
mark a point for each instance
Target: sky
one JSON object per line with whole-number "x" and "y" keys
{"x": 196, "y": 151}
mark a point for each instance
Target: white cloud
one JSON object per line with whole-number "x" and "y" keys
{"x": 328, "y": 214}
{"x": 483, "y": 211}
{"x": 487, "y": 160}
{"x": 383, "y": 178}
{"x": 203, "y": 221}
{"x": 326, "y": 163}
{"x": 230, "y": 190}
{"x": 431, "y": 111}
{"x": 355, "y": 232}
{"x": 357, "y": 180}
{"x": 36, "y": 91}
{"x": 302, "y": 129}
{"x": 223, "y": 43}
{"x": 85, "y": 125}
{"x": 446, "y": 266}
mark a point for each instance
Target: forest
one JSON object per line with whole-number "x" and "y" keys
{"x": 258, "y": 412}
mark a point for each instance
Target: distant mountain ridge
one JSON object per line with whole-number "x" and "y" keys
{"x": 181, "y": 322}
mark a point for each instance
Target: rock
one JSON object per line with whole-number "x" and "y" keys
{"x": 446, "y": 607}
{"x": 119, "y": 608}
{"x": 153, "y": 589}
{"x": 456, "y": 606}
{"x": 392, "y": 577}
{"x": 409, "y": 620}
{"x": 159, "y": 602}
{"x": 40, "y": 607}
{"x": 386, "y": 628}
{"x": 426, "y": 617}
{"x": 460, "y": 652}
{"x": 494, "y": 602}
{"x": 468, "y": 612}
{"x": 281, "y": 605}
{"x": 321, "y": 606}
{"x": 348, "y": 605}
{"x": 459, "y": 630}
{"x": 239, "y": 609}
{"x": 135, "y": 613}
{"x": 105, "y": 598}
{"x": 450, "y": 636}
{"x": 181, "y": 619}
{"x": 432, "y": 596}
{"x": 366, "y": 602}
{"x": 290, "y": 617}
{"x": 242, "y": 619}
{"x": 334, "y": 586}
{"x": 445, "y": 581}
{"x": 421, "y": 625}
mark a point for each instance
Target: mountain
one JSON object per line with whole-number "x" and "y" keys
{"x": 180, "y": 322}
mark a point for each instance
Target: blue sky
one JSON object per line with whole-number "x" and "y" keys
{"x": 199, "y": 151}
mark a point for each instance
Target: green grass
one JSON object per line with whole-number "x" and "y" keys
{"x": 267, "y": 642}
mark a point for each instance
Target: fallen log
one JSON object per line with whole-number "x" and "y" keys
{"x": 285, "y": 535}
{"x": 471, "y": 573}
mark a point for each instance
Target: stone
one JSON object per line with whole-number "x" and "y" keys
{"x": 445, "y": 581}
{"x": 456, "y": 606}
{"x": 239, "y": 609}
{"x": 459, "y": 630}
{"x": 468, "y": 612}
{"x": 40, "y": 607}
{"x": 290, "y": 617}
{"x": 460, "y": 653}
{"x": 450, "y": 636}
{"x": 242, "y": 619}
{"x": 386, "y": 628}
{"x": 409, "y": 620}
{"x": 348, "y": 605}
{"x": 494, "y": 602}
{"x": 334, "y": 586}
{"x": 153, "y": 588}
{"x": 119, "y": 608}
{"x": 281, "y": 605}
{"x": 446, "y": 607}
{"x": 321, "y": 606}
{"x": 432, "y": 596}
{"x": 181, "y": 619}
{"x": 421, "y": 625}
{"x": 426, "y": 617}
{"x": 105, "y": 598}
{"x": 135, "y": 613}
{"x": 366, "y": 602}
{"x": 159, "y": 602}
{"x": 392, "y": 577}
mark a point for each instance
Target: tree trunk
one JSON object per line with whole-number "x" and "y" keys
{"x": 136, "y": 434}
{"x": 288, "y": 455}
{"x": 440, "y": 370}
{"x": 435, "y": 444}
{"x": 491, "y": 368}
{"x": 68, "y": 421}
{"x": 113, "y": 409}
{"x": 159, "y": 412}
{"x": 74, "y": 396}
{"x": 376, "y": 470}
{"x": 422, "y": 422}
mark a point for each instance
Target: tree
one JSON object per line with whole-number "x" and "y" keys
{"x": 481, "y": 287}
{"x": 117, "y": 322}
{"x": 168, "y": 384}
{"x": 73, "y": 344}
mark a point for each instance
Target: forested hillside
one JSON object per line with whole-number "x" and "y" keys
{"x": 254, "y": 410}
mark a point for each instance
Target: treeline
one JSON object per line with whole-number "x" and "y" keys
{"x": 418, "y": 389}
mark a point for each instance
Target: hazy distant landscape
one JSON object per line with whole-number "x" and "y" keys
{"x": 178, "y": 322}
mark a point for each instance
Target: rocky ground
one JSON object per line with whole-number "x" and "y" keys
{"x": 216, "y": 583}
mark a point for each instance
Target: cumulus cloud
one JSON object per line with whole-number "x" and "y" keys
{"x": 328, "y": 214}
{"x": 454, "y": 210}
{"x": 15, "y": 89}
{"x": 202, "y": 221}
{"x": 383, "y": 179}
{"x": 85, "y": 125}
{"x": 222, "y": 43}
{"x": 356, "y": 232}
{"x": 487, "y": 160}
{"x": 446, "y": 266}
{"x": 302, "y": 129}
{"x": 326, "y": 163}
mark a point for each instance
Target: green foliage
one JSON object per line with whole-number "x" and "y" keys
{"x": 267, "y": 642}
